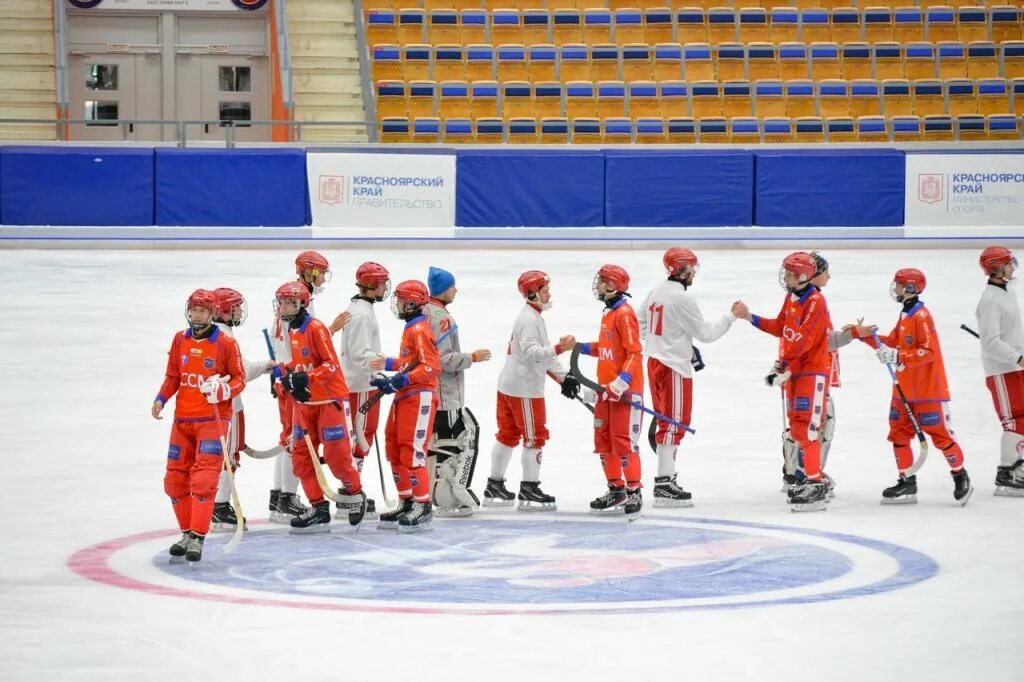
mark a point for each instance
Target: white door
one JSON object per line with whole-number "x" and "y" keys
{"x": 224, "y": 90}
{"x": 107, "y": 88}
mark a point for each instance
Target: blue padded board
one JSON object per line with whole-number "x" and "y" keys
{"x": 669, "y": 189}
{"x": 231, "y": 187}
{"x": 76, "y": 186}
{"x": 529, "y": 188}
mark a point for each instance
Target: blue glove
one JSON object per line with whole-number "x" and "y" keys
{"x": 388, "y": 385}
{"x": 697, "y": 362}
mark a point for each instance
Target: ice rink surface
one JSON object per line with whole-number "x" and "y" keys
{"x": 736, "y": 588}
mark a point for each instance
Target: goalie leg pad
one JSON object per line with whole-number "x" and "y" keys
{"x": 454, "y": 446}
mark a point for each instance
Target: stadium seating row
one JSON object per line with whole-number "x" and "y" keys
{"x": 369, "y": 5}
{"x": 698, "y": 61}
{"x": 692, "y": 25}
{"x": 742, "y": 130}
{"x": 701, "y": 99}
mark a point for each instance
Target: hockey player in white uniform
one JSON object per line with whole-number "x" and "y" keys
{"x": 360, "y": 343}
{"x": 231, "y": 312}
{"x": 521, "y": 411}
{"x": 670, "y": 320}
{"x": 455, "y": 442}
{"x": 1002, "y": 358}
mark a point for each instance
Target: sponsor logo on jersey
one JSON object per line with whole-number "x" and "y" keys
{"x": 421, "y": 434}
{"x": 908, "y": 340}
{"x": 605, "y": 354}
{"x": 791, "y": 334}
{"x": 931, "y": 419}
{"x": 332, "y": 433}
{"x": 304, "y": 352}
{"x": 184, "y": 359}
{"x": 208, "y": 363}
{"x": 424, "y": 409}
{"x": 802, "y": 404}
{"x": 196, "y": 351}
{"x": 174, "y": 452}
{"x": 210, "y": 447}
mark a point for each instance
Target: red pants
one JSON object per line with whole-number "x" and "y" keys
{"x": 410, "y": 423}
{"x": 328, "y": 426}
{"x": 805, "y": 410}
{"x": 616, "y": 433}
{"x": 194, "y": 460}
{"x": 363, "y": 423}
{"x": 521, "y": 419}
{"x": 672, "y": 395}
{"x": 1008, "y": 397}
{"x": 933, "y": 417}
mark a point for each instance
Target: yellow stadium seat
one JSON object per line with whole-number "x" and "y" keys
{"x": 382, "y": 27}
{"x": 681, "y": 130}
{"x": 840, "y": 129}
{"x": 597, "y": 26}
{"x": 377, "y": 4}
{"x": 731, "y": 61}
{"x": 473, "y": 26}
{"x": 586, "y": 130}
{"x": 522, "y": 130}
{"x": 543, "y": 63}
{"x": 443, "y": 27}
{"x": 579, "y": 100}
{"x": 762, "y": 61}
{"x": 391, "y": 102}
{"x": 650, "y": 130}
{"x": 962, "y": 97}
{"x": 938, "y": 128}
{"x": 784, "y": 25}
{"x": 846, "y": 25}
{"x": 920, "y": 61}
{"x": 657, "y": 25}
{"x": 769, "y": 99}
{"x": 878, "y": 25}
{"x": 777, "y": 129}
{"x": 856, "y": 60}
{"x": 643, "y": 99}
{"x": 479, "y": 62}
{"x": 833, "y": 98}
{"x": 449, "y": 62}
{"x": 809, "y": 129}
{"x": 516, "y": 99}
{"x": 865, "y": 98}
{"x": 674, "y": 100}
{"x": 394, "y": 129}
{"x": 793, "y": 61}
{"x": 483, "y": 99}
{"x": 457, "y": 131}
{"x": 744, "y": 130}
{"x": 547, "y": 99}
{"x": 668, "y": 61}
{"x": 982, "y": 60}
{"x": 952, "y": 60}
{"x": 736, "y": 100}
{"x": 973, "y": 23}
{"x": 800, "y": 98}
{"x": 896, "y": 99}
{"x": 604, "y": 62}
{"x": 410, "y": 26}
{"x": 431, "y": 4}
{"x": 753, "y": 25}
{"x": 1013, "y": 58}
{"x": 993, "y": 96}
{"x": 454, "y": 101}
{"x": 691, "y": 25}
{"x": 906, "y": 128}
{"x": 617, "y": 130}
{"x": 970, "y": 127}
{"x": 706, "y": 99}
{"x": 888, "y": 59}
{"x": 825, "y": 62}
{"x": 697, "y": 62}
{"x": 941, "y": 23}
{"x": 1005, "y": 21}
{"x": 536, "y": 27}
{"x": 815, "y": 26}
{"x": 721, "y": 25}
{"x": 426, "y": 130}
{"x": 611, "y": 99}
{"x": 554, "y": 130}
{"x": 637, "y": 64}
{"x": 629, "y": 26}
{"x": 386, "y": 62}
{"x": 908, "y": 25}
{"x": 872, "y": 129}
{"x": 506, "y": 26}
{"x": 422, "y": 98}
{"x": 712, "y": 130}
{"x": 490, "y": 130}
{"x": 1003, "y": 127}
{"x": 928, "y": 97}
{"x": 511, "y": 63}
{"x": 566, "y": 26}
{"x": 574, "y": 63}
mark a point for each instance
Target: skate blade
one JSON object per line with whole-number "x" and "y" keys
{"x": 634, "y": 516}
{"x": 420, "y": 528}
{"x": 667, "y": 503}
{"x": 1007, "y": 491}
{"x": 387, "y": 525}
{"x": 280, "y": 517}
{"x": 963, "y": 500}
{"x": 906, "y": 499}
{"x": 453, "y": 513}
{"x": 495, "y": 502}
{"x": 176, "y": 560}
{"x": 311, "y": 530}
{"x": 613, "y": 511}
{"x": 537, "y": 507}
{"x": 808, "y": 507}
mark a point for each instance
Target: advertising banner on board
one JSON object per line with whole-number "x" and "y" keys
{"x": 965, "y": 190}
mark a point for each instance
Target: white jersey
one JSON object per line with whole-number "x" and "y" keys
{"x": 670, "y": 320}
{"x": 253, "y": 370}
{"x": 1001, "y": 330}
{"x": 530, "y": 356}
{"x": 360, "y": 343}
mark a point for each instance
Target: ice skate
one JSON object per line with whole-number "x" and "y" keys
{"x": 371, "y": 506}
{"x": 1010, "y": 480}
{"x": 830, "y": 486}
{"x": 612, "y": 502}
{"x": 224, "y": 518}
{"x": 389, "y": 520}
{"x": 417, "y": 519}
{"x": 904, "y": 492}
{"x": 317, "y": 519}
{"x": 353, "y": 506}
{"x": 288, "y": 506}
{"x": 532, "y": 498}
{"x": 668, "y": 494}
{"x": 178, "y": 549}
{"x": 459, "y": 512}
{"x": 808, "y": 496}
{"x": 194, "y": 549}
{"x": 962, "y": 488}
{"x": 496, "y": 494}
{"x": 634, "y": 504}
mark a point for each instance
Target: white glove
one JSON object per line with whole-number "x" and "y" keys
{"x": 216, "y": 389}
{"x": 776, "y": 375}
{"x": 887, "y": 355}
{"x": 614, "y": 389}
{"x": 588, "y": 396}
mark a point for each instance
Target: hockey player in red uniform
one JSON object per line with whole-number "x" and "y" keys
{"x": 204, "y": 369}
{"x": 912, "y": 349}
{"x": 1001, "y": 330}
{"x": 620, "y": 371}
{"x": 410, "y": 420}
{"x": 313, "y": 379}
{"x": 802, "y": 368}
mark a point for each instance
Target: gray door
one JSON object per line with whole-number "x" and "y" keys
{"x": 223, "y": 88}
{"x": 106, "y": 88}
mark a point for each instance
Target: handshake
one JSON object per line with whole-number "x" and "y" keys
{"x": 389, "y": 384}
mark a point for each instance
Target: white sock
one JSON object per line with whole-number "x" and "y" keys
{"x": 223, "y": 488}
{"x": 1011, "y": 448}
{"x": 500, "y": 456}
{"x": 289, "y": 481}
{"x": 278, "y": 463}
{"x": 666, "y": 459}
{"x": 531, "y": 464}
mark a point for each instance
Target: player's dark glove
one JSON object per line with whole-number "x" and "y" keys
{"x": 297, "y": 384}
{"x": 570, "y": 387}
{"x": 697, "y": 362}
{"x": 388, "y": 385}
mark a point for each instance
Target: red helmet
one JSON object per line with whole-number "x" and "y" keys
{"x": 679, "y": 261}
{"x": 912, "y": 279}
{"x": 614, "y": 276}
{"x": 310, "y": 260}
{"x": 530, "y": 282}
{"x": 800, "y": 264}
{"x": 200, "y": 298}
{"x": 231, "y": 307}
{"x": 995, "y": 257}
{"x": 410, "y": 296}
{"x": 371, "y": 275}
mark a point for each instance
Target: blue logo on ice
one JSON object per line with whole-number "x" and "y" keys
{"x": 570, "y": 563}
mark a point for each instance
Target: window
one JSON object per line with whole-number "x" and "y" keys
{"x": 235, "y": 79}
{"x": 100, "y": 77}
{"x": 101, "y": 111}
{"x": 239, "y": 112}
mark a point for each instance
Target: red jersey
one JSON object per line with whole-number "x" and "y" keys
{"x": 802, "y": 327}
{"x": 190, "y": 362}
{"x": 417, "y": 344}
{"x": 924, "y": 375}
{"x": 313, "y": 353}
{"x": 618, "y": 349}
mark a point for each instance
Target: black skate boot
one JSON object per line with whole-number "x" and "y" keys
{"x": 178, "y": 549}
{"x": 634, "y": 504}
{"x": 962, "y": 489}
{"x": 904, "y": 492}
{"x": 1010, "y": 480}
{"x": 317, "y": 519}
{"x": 612, "y": 502}
{"x": 389, "y": 520}
{"x": 417, "y": 519}
{"x": 668, "y": 494}
{"x": 354, "y": 506}
{"x": 275, "y": 495}
{"x": 224, "y": 517}
{"x": 532, "y": 498}
{"x": 289, "y": 506}
{"x": 194, "y": 550}
{"x": 808, "y": 495}
{"x": 496, "y": 494}
{"x": 788, "y": 483}
{"x": 371, "y": 507}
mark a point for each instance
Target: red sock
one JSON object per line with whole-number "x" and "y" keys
{"x": 612, "y": 469}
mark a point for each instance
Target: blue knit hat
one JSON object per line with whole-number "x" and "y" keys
{"x": 439, "y": 281}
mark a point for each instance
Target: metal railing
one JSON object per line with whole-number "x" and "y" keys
{"x": 284, "y": 55}
{"x": 62, "y": 128}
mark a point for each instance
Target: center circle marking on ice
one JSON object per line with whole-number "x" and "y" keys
{"x": 501, "y": 564}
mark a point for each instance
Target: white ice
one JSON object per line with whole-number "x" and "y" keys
{"x": 85, "y": 336}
